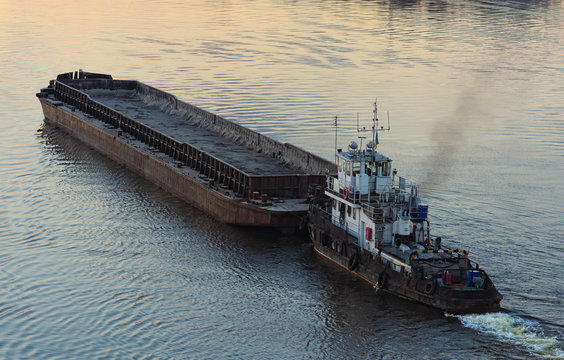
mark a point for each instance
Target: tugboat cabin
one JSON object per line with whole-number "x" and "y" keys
{"x": 370, "y": 207}
{"x": 364, "y": 172}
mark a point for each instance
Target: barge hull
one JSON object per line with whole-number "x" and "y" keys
{"x": 229, "y": 171}
{"x": 164, "y": 173}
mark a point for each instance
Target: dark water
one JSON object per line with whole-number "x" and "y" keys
{"x": 96, "y": 262}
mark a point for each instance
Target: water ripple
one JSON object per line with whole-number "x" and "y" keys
{"x": 96, "y": 262}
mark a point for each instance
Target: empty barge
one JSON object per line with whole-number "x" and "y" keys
{"x": 232, "y": 173}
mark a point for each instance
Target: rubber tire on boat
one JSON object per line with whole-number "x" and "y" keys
{"x": 324, "y": 240}
{"x": 353, "y": 261}
{"x": 382, "y": 280}
{"x": 344, "y": 249}
{"x": 430, "y": 287}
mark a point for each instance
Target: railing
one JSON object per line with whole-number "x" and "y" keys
{"x": 223, "y": 174}
{"x": 397, "y": 193}
{"x": 350, "y": 195}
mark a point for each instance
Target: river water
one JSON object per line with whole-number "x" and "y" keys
{"x": 96, "y": 262}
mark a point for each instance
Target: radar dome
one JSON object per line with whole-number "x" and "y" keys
{"x": 370, "y": 145}
{"x": 353, "y": 145}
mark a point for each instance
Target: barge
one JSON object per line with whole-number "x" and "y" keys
{"x": 372, "y": 222}
{"x": 230, "y": 172}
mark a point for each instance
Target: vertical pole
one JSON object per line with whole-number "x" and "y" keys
{"x": 336, "y": 140}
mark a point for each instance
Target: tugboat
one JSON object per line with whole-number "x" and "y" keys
{"x": 373, "y": 223}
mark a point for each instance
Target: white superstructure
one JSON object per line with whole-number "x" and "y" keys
{"x": 372, "y": 204}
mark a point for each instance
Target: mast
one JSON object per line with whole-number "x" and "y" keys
{"x": 375, "y": 128}
{"x": 335, "y": 139}
{"x": 374, "y": 131}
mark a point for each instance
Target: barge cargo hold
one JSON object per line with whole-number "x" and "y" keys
{"x": 232, "y": 173}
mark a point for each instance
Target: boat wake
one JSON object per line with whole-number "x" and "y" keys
{"x": 515, "y": 330}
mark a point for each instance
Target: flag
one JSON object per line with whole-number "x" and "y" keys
{"x": 376, "y": 140}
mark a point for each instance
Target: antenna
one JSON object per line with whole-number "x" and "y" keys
{"x": 375, "y": 128}
{"x": 335, "y": 139}
{"x": 361, "y": 137}
{"x": 374, "y": 132}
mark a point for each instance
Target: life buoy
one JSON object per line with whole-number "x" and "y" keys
{"x": 346, "y": 193}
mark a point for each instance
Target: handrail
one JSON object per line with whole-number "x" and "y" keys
{"x": 215, "y": 169}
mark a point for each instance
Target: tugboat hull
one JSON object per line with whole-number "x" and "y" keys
{"x": 332, "y": 242}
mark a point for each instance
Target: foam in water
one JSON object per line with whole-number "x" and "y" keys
{"x": 515, "y": 330}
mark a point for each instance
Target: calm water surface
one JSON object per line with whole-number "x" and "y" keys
{"x": 96, "y": 262}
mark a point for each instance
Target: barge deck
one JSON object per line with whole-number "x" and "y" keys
{"x": 184, "y": 129}
{"x": 231, "y": 172}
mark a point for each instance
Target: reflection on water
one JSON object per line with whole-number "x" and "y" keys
{"x": 97, "y": 262}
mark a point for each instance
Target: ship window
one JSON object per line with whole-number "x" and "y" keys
{"x": 354, "y": 213}
{"x": 349, "y": 210}
{"x": 335, "y": 204}
{"x": 386, "y": 169}
{"x": 348, "y": 168}
{"x": 356, "y": 168}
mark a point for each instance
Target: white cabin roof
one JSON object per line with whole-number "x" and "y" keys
{"x": 364, "y": 155}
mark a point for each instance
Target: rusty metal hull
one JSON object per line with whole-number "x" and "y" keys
{"x": 332, "y": 242}
{"x": 158, "y": 168}
{"x": 230, "y": 172}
